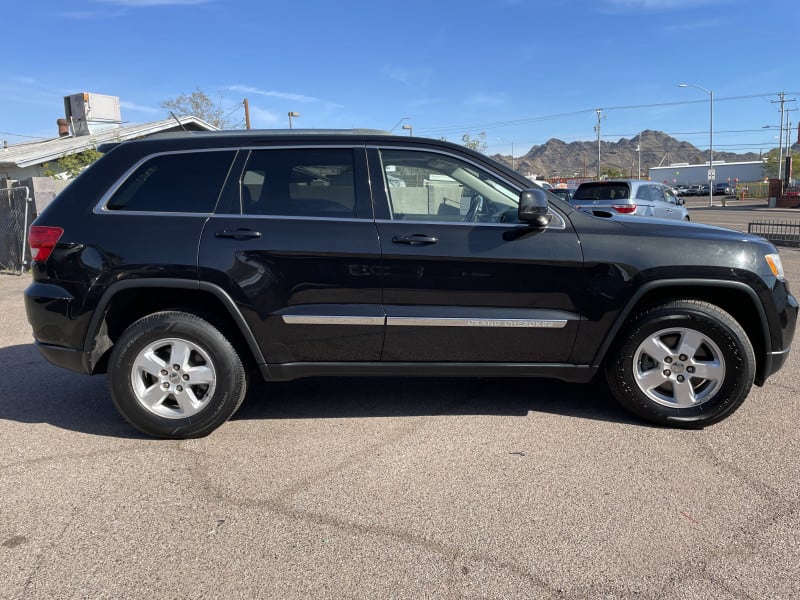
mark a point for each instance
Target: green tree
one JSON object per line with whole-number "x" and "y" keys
{"x": 477, "y": 143}
{"x": 612, "y": 173}
{"x": 770, "y": 168}
{"x": 72, "y": 164}
{"x": 201, "y": 106}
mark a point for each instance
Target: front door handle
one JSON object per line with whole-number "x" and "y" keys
{"x": 238, "y": 234}
{"x": 417, "y": 239}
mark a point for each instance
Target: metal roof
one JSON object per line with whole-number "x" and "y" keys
{"x": 34, "y": 153}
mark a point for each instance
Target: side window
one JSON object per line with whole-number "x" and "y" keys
{"x": 643, "y": 193}
{"x": 669, "y": 196}
{"x": 187, "y": 182}
{"x": 425, "y": 186}
{"x": 308, "y": 182}
{"x": 658, "y": 193}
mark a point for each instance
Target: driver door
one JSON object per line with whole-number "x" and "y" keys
{"x": 459, "y": 284}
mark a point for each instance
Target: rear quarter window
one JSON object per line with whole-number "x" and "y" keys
{"x": 185, "y": 182}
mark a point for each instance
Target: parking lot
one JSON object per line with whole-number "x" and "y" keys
{"x": 396, "y": 488}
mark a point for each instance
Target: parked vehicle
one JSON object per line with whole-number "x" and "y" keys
{"x": 630, "y": 196}
{"x": 721, "y": 189}
{"x": 182, "y": 264}
{"x": 563, "y": 193}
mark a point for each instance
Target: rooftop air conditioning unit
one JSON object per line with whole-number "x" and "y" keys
{"x": 91, "y": 113}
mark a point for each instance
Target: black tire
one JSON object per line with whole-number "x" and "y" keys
{"x": 685, "y": 363}
{"x": 174, "y": 375}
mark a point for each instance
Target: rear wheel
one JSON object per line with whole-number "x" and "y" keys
{"x": 174, "y": 375}
{"x": 685, "y": 363}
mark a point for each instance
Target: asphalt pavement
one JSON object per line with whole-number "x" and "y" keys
{"x": 394, "y": 488}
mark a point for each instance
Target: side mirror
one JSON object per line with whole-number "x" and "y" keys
{"x": 534, "y": 207}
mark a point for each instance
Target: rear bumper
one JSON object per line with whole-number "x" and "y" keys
{"x": 59, "y": 336}
{"x": 67, "y": 358}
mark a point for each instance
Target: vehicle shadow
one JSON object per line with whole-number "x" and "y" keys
{"x": 358, "y": 397}
{"x": 33, "y": 391}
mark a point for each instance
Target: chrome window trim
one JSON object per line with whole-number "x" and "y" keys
{"x": 100, "y": 207}
{"x": 290, "y": 218}
{"x": 562, "y": 224}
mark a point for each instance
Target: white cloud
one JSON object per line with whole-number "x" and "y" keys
{"x": 261, "y": 117}
{"x": 272, "y": 94}
{"x": 415, "y": 77}
{"x": 139, "y": 107}
{"x": 694, "y": 25}
{"x": 480, "y": 99}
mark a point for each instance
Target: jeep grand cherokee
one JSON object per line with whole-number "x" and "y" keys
{"x": 182, "y": 263}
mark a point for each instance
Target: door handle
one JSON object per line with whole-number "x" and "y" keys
{"x": 417, "y": 239}
{"x": 238, "y": 234}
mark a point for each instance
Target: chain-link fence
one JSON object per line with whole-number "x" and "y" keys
{"x": 16, "y": 214}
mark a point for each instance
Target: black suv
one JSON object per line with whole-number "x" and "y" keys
{"x": 182, "y": 263}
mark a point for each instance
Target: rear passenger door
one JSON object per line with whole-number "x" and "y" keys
{"x": 645, "y": 201}
{"x": 293, "y": 241}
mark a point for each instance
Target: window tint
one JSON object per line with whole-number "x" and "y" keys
{"x": 602, "y": 191}
{"x": 184, "y": 182}
{"x": 303, "y": 182}
{"x": 433, "y": 187}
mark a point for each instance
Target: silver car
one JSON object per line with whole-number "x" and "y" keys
{"x": 631, "y": 197}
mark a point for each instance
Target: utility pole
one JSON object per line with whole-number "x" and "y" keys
{"x": 789, "y": 129}
{"x": 782, "y": 99}
{"x": 246, "y": 113}
{"x": 597, "y": 129}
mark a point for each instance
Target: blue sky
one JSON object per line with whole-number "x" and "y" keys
{"x": 523, "y": 71}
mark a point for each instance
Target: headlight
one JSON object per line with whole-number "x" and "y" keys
{"x": 775, "y": 265}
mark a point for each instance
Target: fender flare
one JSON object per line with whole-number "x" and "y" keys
{"x": 625, "y": 313}
{"x": 100, "y": 311}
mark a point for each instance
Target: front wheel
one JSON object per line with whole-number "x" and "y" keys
{"x": 174, "y": 375}
{"x": 685, "y": 363}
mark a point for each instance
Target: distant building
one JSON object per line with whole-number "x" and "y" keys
{"x": 90, "y": 120}
{"x": 725, "y": 172}
{"x": 25, "y": 188}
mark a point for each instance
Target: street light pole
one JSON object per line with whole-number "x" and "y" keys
{"x": 639, "y": 149}
{"x": 597, "y": 127}
{"x": 292, "y": 114}
{"x": 410, "y": 129}
{"x": 710, "y": 139}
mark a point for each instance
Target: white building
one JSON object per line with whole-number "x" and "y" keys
{"x": 724, "y": 172}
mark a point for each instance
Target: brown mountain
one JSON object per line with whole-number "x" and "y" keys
{"x": 556, "y": 158}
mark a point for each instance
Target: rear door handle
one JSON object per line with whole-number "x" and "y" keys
{"x": 417, "y": 239}
{"x": 238, "y": 234}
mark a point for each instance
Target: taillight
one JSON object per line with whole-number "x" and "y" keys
{"x": 42, "y": 241}
{"x": 624, "y": 208}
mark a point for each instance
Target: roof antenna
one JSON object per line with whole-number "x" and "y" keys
{"x": 178, "y": 120}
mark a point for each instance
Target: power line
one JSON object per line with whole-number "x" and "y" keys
{"x": 537, "y": 119}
